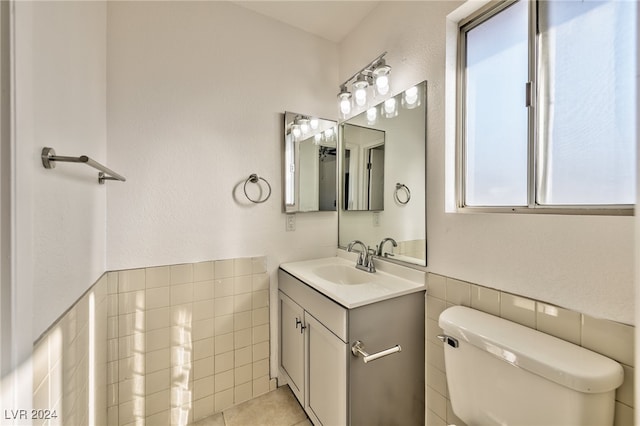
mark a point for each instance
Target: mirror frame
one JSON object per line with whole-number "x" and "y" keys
{"x": 291, "y": 169}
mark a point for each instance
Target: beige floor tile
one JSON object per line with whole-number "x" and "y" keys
{"x": 276, "y": 408}
{"x": 215, "y": 420}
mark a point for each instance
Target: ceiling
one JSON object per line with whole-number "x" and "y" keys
{"x": 331, "y": 20}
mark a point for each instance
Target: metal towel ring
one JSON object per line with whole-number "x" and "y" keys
{"x": 254, "y": 178}
{"x": 400, "y": 186}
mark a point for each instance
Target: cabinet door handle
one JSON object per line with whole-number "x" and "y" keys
{"x": 302, "y": 327}
{"x": 298, "y": 322}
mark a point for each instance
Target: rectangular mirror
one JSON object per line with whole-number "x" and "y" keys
{"x": 310, "y": 163}
{"x": 383, "y": 177}
{"x": 363, "y": 168}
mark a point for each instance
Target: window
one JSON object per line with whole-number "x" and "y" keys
{"x": 547, "y": 110}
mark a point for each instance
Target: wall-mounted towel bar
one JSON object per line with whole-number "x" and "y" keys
{"x": 407, "y": 195}
{"x": 254, "y": 178}
{"x": 49, "y": 158}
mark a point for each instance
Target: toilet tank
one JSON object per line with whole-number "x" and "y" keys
{"x": 502, "y": 373}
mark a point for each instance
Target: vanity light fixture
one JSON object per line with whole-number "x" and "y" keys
{"x": 372, "y": 115}
{"x": 374, "y": 75}
{"x": 328, "y": 134}
{"x": 304, "y": 125}
{"x": 301, "y": 126}
{"x": 360, "y": 90}
{"x": 381, "y": 77}
{"x": 296, "y": 131}
{"x": 344, "y": 98}
{"x": 410, "y": 98}
{"x": 390, "y": 108}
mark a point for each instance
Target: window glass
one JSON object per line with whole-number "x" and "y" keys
{"x": 495, "y": 111}
{"x": 586, "y": 106}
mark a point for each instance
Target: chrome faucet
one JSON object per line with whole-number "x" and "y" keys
{"x": 393, "y": 242}
{"x": 365, "y": 259}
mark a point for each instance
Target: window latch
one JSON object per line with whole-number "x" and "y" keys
{"x": 528, "y": 94}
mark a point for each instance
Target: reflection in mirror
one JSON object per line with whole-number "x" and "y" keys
{"x": 363, "y": 168}
{"x": 310, "y": 163}
{"x": 398, "y": 215}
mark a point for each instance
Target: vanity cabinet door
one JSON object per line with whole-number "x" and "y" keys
{"x": 292, "y": 343}
{"x": 327, "y": 357}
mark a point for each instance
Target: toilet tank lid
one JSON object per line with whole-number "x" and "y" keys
{"x": 554, "y": 359}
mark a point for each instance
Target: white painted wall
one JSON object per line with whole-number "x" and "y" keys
{"x": 60, "y": 101}
{"x": 197, "y": 95}
{"x": 584, "y": 263}
{"x": 15, "y": 300}
{"x": 197, "y": 92}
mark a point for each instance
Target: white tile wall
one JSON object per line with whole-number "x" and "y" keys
{"x": 172, "y": 344}
{"x": 606, "y": 337}
{"x": 70, "y": 378}
{"x": 193, "y": 339}
{"x": 411, "y": 248}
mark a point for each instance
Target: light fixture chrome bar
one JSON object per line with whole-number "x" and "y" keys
{"x": 365, "y": 68}
{"x": 49, "y": 158}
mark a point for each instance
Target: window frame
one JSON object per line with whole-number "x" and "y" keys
{"x": 531, "y": 89}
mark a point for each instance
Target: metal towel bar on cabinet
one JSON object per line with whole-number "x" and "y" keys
{"x": 358, "y": 350}
{"x": 49, "y": 158}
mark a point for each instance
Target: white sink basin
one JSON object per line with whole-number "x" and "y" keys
{"x": 339, "y": 279}
{"x": 342, "y": 274}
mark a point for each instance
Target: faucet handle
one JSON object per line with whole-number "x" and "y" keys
{"x": 371, "y": 267}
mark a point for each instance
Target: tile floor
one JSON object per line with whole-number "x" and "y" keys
{"x": 276, "y": 408}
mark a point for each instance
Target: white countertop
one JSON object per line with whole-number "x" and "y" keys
{"x": 379, "y": 285}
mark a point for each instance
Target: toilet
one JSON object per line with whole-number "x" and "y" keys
{"x": 502, "y": 373}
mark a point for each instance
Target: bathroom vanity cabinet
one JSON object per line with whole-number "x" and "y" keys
{"x": 336, "y": 387}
